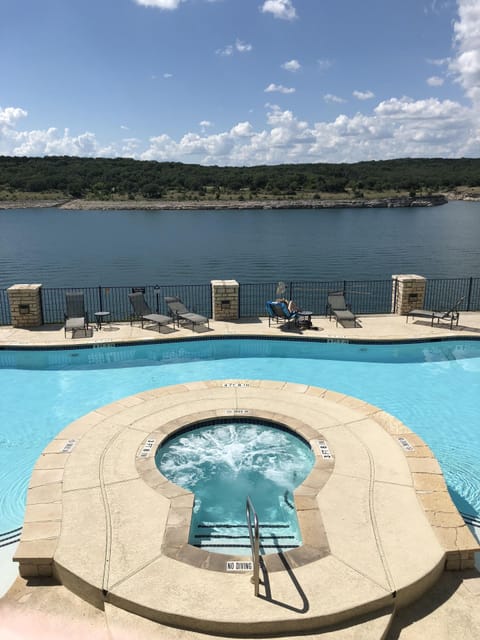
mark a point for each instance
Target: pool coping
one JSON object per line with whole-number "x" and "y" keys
{"x": 42, "y": 553}
{"x": 98, "y": 344}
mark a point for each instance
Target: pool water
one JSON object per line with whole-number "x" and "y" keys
{"x": 225, "y": 462}
{"x": 433, "y": 387}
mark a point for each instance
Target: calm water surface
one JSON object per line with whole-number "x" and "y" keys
{"x": 112, "y": 248}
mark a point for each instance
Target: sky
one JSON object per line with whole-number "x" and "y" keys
{"x": 240, "y": 82}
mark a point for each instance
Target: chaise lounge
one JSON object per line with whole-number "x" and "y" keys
{"x": 75, "y": 316}
{"x": 180, "y": 312}
{"x": 338, "y": 307}
{"x": 143, "y": 312}
{"x": 452, "y": 314}
{"x": 279, "y": 311}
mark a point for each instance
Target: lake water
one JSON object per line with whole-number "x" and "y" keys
{"x": 112, "y": 248}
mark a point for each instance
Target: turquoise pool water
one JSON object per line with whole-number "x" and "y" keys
{"x": 226, "y": 461}
{"x": 434, "y": 387}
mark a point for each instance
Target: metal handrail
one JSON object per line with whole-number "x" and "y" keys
{"x": 254, "y": 543}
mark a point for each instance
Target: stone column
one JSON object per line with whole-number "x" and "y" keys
{"x": 25, "y": 305}
{"x": 225, "y": 299}
{"x": 410, "y": 293}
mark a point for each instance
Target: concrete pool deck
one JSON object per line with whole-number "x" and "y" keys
{"x": 371, "y": 327}
{"x": 392, "y": 536}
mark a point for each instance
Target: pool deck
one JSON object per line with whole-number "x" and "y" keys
{"x": 371, "y": 327}
{"x": 378, "y": 520}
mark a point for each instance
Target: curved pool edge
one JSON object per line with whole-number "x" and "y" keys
{"x": 100, "y": 343}
{"x": 117, "y": 555}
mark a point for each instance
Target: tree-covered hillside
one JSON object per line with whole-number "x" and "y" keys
{"x": 122, "y": 178}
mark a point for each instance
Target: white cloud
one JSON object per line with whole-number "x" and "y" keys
{"x": 436, "y": 7}
{"x": 330, "y": 97}
{"x": 279, "y": 88}
{"x": 242, "y": 130}
{"x": 291, "y": 65}
{"x": 241, "y": 47}
{"x": 226, "y": 51}
{"x": 160, "y": 4}
{"x": 398, "y": 127}
{"x": 363, "y": 95}
{"x": 129, "y": 147}
{"x": 324, "y": 64}
{"x": 420, "y": 110}
{"x": 282, "y": 9}
{"x": 10, "y": 115}
{"x": 438, "y": 62}
{"x": 435, "y": 81}
{"x": 168, "y": 75}
{"x": 466, "y": 65}
{"x": 50, "y": 142}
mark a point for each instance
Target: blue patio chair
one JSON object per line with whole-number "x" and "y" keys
{"x": 279, "y": 311}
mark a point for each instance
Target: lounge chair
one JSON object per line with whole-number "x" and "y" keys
{"x": 279, "y": 311}
{"x": 181, "y": 313}
{"x": 337, "y": 306}
{"x": 452, "y": 314}
{"x": 75, "y": 316}
{"x": 143, "y": 312}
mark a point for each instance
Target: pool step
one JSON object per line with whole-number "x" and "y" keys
{"x": 373, "y": 626}
{"x": 276, "y": 536}
{"x": 10, "y": 537}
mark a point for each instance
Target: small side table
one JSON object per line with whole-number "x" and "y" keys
{"x": 101, "y": 316}
{"x": 305, "y": 319}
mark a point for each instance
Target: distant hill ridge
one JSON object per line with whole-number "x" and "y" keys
{"x": 110, "y": 179}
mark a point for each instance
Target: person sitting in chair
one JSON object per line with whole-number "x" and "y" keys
{"x": 291, "y": 306}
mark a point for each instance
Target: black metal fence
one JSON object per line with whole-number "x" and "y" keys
{"x": 371, "y": 296}
{"x": 5, "y": 318}
{"x": 197, "y": 297}
{"x": 443, "y": 294}
{"x": 364, "y": 296}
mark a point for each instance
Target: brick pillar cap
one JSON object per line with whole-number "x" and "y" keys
{"x": 407, "y": 276}
{"x": 224, "y": 283}
{"x": 24, "y": 287}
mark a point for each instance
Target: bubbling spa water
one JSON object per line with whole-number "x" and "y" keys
{"x": 222, "y": 462}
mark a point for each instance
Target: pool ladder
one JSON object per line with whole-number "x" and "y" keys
{"x": 254, "y": 535}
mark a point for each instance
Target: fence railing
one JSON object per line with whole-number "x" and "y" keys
{"x": 197, "y": 297}
{"x": 364, "y": 296}
{"x": 442, "y": 294}
{"x": 5, "y": 317}
{"x": 367, "y": 296}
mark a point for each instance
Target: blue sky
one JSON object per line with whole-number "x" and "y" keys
{"x": 240, "y": 82}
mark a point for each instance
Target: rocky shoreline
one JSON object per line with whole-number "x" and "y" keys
{"x": 215, "y": 205}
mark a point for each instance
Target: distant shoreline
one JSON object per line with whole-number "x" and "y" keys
{"x": 216, "y": 205}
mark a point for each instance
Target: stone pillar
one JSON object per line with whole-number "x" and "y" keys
{"x": 410, "y": 293}
{"x": 25, "y": 305}
{"x": 225, "y": 299}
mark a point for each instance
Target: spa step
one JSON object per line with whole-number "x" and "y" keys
{"x": 216, "y": 536}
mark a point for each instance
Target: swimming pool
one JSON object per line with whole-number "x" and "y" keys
{"x": 433, "y": 387}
